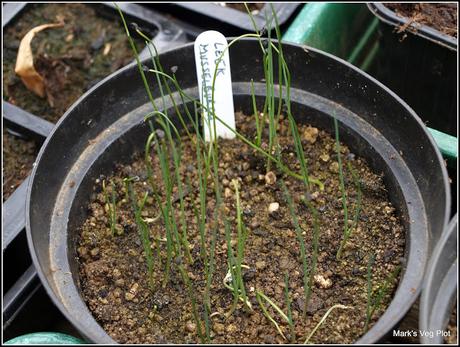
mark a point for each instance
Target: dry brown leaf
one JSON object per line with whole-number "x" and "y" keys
{"x": 25, "y": 61}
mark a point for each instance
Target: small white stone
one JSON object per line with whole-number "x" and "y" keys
{"x": 190, "y": 327}
{"x": 270, "y": 178}
{"x": 310, "y": 134}
{"x": 132, "y": 292}
{"x": 273, "y": 207}
{"x": 228, "y": 193}
{"x": 323, "y": 282}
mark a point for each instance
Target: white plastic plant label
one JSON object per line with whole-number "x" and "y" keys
{"x": 212, "y": 58}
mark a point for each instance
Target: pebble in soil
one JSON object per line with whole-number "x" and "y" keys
{"x": 113, "y": 271}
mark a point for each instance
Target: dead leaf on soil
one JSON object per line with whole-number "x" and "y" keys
{"x": 25, "y": 61}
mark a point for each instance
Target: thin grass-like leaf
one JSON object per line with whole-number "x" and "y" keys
{"x": 261, "y": 296}
{"x": 323, "y": 319}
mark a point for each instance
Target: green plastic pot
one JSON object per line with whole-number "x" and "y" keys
{"x": 45, "y": 338}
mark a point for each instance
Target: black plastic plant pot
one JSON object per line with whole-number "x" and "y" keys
{"x": 440, "y": 289}
{"x": 418, "y": 64}
{"x": 107, "y": 125}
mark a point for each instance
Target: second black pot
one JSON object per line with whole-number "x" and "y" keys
{"x": 106, "y": 126}
{"x": 420, "y": 67}
{"x": 440, "y": 289}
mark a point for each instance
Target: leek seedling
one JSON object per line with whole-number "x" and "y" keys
{"x": 241, "y": 240}
{"x": 167, "y": 213}
{"x": 315, "y": 245}
{"x": 300, "y": 239}
{"x": 288, "y": 306}
{"x": 175, "y": 242}
{"x": 229, "y": 278}
{"x": 191, "y": 295}
{"x": 307, "y": 180}
{"x": 270, "y": 99}
{"x": 143, "y": 228}
{"x": 347, "y": 234}
{"x": 374, "y": 302}
{"x": 162, "y": 154}
{"x": 212, "y": 159}
{"x": 270, "y": 92}
{"x": 231, "y": 269}
{"x": 342, "y": 186}
{"x": 261, "y": 297}
{"x": 259, "y": 126}
{"x": 369, "y": 291}
{"x": 112, "y": 206}
{"x": 323, "y": 319}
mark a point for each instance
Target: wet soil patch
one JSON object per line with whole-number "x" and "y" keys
{"x": 440, "y": 16}
{"x": 71, "y": 59}
{"x": 113, "y": 271}
{"x": 18, "y": 157}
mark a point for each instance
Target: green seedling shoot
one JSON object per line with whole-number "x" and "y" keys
{"x": 111, "y": 203}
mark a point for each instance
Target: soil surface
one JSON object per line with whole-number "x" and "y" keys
{"x": 452, "y": 328}
{"x": 440, "y": 16}
{"x": 253, "y": 6}
{"x": 18, "y": 158}
{"x": 113, "y": 271}
{"x": 71, "y": 59}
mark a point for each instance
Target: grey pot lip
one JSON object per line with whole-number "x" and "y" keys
{"x": 372, "y": 336}
{"x": 433, "y": 288}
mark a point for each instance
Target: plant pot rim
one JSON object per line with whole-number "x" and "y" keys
{"x": 440, "y": 288}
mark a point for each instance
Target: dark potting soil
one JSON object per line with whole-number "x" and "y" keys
{"x": 452, "y": 337}
{"x": 253, "y": 6}
{"x": 18, "y": 158}
{"x": 440, "y": 16}
{"x": 113, "y": 272}
{"x": 71, "y": 58}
